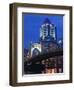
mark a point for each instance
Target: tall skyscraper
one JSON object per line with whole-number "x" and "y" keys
{"x": 48, "y": 31}
{"x": 48, "y": 36}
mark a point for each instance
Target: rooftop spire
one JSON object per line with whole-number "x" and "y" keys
{"x": 47, "y": 21}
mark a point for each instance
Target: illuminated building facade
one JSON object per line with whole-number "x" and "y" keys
{"x": 48, "y": 31}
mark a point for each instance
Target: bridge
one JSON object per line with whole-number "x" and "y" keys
{"x": 44, "y": 56}
{"x": 31, "y": 65}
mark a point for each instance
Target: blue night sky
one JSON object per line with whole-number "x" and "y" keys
{"x": 32, "y": 23}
